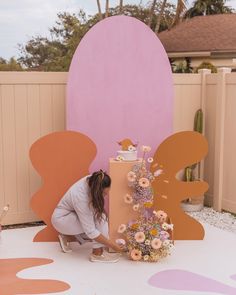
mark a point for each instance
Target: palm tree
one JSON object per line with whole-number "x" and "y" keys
{"x": 160, "y": 15}
{"x": 181, "y": 7}
{"x": 152, "y": 12}
{"x": 99, "y": 9}
{"x": 107, "y": 8}
{"x": 121, "y": 6}
{"x": 207, "y": 7}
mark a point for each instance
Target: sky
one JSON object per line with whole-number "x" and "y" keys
{"x": 22, "y": 19}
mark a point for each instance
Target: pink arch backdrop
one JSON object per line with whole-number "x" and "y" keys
{"x": 120, "y": 85}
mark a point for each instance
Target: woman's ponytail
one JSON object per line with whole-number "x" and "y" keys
{"x": 97, "y": 182}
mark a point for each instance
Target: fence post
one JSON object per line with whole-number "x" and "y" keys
{"x": 219, "y": 138}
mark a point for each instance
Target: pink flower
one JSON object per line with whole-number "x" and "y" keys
{"x": 150, "y": 160}
{"x": 122, "y": 228}
{"x": 161, "y": 215}
{"x": 144, "y": 182}
{"x": 136, "y": 254}
{"x": 156, "y": 244}
{"x": 158, "y": 172}
{"x": 139, "y": 237}
{"x": 131, "y": 176}
{"x": 128, "y": 199}
{"x": 121, "y": 242}
{"x": 164, "y": 235}
{"x": 136, "y": 207}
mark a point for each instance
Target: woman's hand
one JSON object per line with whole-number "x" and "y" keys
{"x": 110, "y": 244}
{"x": 117, "y": 248}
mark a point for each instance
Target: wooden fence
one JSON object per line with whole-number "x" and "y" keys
{"x": 33, "y": 105}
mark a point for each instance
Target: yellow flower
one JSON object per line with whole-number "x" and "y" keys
{"x": 153, "y": 232}
{"x": 148, "y": 204}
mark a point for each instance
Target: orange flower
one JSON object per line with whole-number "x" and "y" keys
{"x": 153, "y": 232}
{"x": 135, "y": 226}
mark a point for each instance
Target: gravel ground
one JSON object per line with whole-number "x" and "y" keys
{"x": 222, "y": 220}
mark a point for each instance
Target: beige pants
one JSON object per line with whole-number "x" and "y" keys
{"x": 69, "y": 224}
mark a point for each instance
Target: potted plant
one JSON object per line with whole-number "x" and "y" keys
{"x": 193, "y": 172}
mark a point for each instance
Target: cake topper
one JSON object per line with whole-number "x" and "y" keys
{"x": 127, "y": 145}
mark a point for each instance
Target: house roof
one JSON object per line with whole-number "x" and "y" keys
{"x": 211, "y": 33}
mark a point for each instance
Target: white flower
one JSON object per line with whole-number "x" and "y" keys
{"x": 165, "y": 226}
{"x": 6, "y": 208}
{"x": 128, "y": 199}
{"x": 171, "y": 226}
{"x": 136, "y": 207}
{"x": 120, "y": 158}
{"x": 158, "y": 172}
{"x": 171, "y": 246}
{"x": 166, "y": 243}
{"x": 122, "y": 228}
{"x": 131, "y": 176}
{"x": 146, "y": 148}
{"x": 150, "y": 160}
{"x": 131, "y": 148}
{"x": 147, "y": 242}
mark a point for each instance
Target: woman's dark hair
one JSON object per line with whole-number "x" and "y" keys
{"x": 97, "y": 182}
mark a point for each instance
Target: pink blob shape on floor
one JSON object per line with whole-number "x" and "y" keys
{"x": 120, "y": 86}
{"x": 233, "y": 277}
{"x": 188, "y": 281}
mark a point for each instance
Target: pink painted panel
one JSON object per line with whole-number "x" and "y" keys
{"x": 120, "y": 85}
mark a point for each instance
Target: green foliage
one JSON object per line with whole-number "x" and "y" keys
{"x": 198, "y": 121}
{"x": 198, "y": 127}
{"x": 207, "y": 65}
{"x": 182, "y": 67}
{"x": 208, "y": 7}
{"x": 55, "y": 53}
{"x": 11, "y": 65}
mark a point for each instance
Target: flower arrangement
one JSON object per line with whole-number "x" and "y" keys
{"x": 149, "y": 238}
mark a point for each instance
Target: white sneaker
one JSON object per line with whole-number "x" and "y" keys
{"x": 105, "y": 257}
{"x": 65, "y": 245}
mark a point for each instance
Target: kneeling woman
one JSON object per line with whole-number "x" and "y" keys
{"x": 81, "y": 213}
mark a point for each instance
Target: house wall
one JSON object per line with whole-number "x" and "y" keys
{"x": 33, "y": 105}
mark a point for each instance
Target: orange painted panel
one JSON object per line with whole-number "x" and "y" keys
{"x": 10, "y": 284}
{"x": 61, "y": 158}
{"x": 175, "y": 153}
